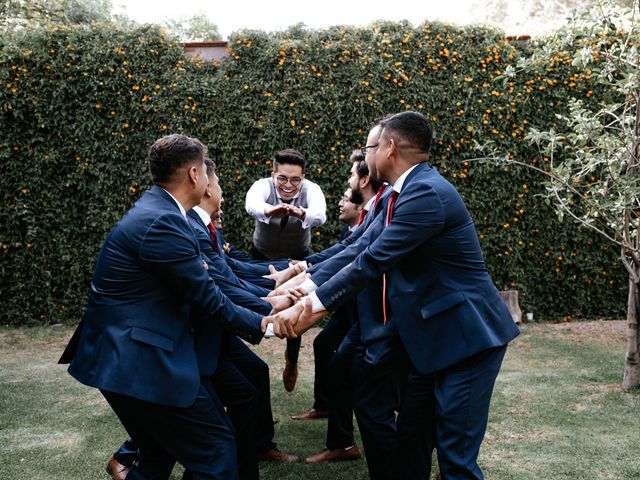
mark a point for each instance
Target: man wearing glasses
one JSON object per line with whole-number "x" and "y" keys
{"x": 285, "y": 207}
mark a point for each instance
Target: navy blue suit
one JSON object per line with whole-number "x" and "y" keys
{"x": 379, "y": 370}
{"x": 245, "y": 267}
{"x": 238, "y": 290}
{"x": 136, "y": 340}
{"x": 331, "y": 385}
{"x": 449, "y": 315}
{"x": 229, "y": 369}
{"x": 249, "y": 365}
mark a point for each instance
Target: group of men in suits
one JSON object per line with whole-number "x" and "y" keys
{"x": 421, "y": 356}
{"x": 432, "y": 329}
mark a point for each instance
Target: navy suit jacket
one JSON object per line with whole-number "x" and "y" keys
{"x": 380, "y": 340}
{"x": 340, "y": 254}
{"x": 356, "y": 234}
{"x": 137, "y": 338}
{"x": 247, "y": 268}
{"x": 440, "y": 296}
{"x": 241, "y": 293}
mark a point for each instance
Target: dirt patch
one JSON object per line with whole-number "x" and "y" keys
{"x": 606, "y": 332}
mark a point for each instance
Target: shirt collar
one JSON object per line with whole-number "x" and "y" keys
{"x": 397, "y": 186}
{"x": 368, "y": 205}
{"x": 204, "y": 216}
{"x": 182, "y": 210}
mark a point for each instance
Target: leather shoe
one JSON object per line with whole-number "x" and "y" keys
{"x": 335, "y": 455}
{"x": 312, "y": 414}
{"x": 116, "y": 469}
{"x": 275, "y": 455}
{"x": 289, "y": 374}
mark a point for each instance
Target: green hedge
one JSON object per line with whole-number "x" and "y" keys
{"x": 80, "y": 106}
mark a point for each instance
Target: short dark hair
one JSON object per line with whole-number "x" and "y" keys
{"x": 168, "y": 154}
{"x": 211, "y": 167}
{"x": 290, "y": 156}
{"x": 356, "y": 197}
{"x": 412, "y": 127}
{"x": 362, "y": 169}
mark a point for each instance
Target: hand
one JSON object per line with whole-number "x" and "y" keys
{"x": 279, "y": 302}
{"x": 307, "y": 318}
{"x": 281, "y": 210}
{"x": 296, "y": 212}
{"x": 283, "y": 275}
{"x": 297, "y": 293}
{"x": 284, "y": 321}
{"x": 291, "y": 283}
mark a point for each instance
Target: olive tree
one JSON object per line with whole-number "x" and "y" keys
{"x": 591, "y": 154}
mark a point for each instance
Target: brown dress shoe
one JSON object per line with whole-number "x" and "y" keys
{"x": 312, "y": 414}
{"x": 289, "y": 374}
{"x": 116, "y": 469}
{"x": 335, "y": 455}
{"x": 275, "y": 455}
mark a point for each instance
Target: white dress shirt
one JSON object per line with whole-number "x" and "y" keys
{"x": 256, "y": 202}
{"x": 182, "y": 210}
{"x": 204, "y": 216}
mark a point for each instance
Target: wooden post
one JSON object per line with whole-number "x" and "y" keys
{"x": 510, "y": 297}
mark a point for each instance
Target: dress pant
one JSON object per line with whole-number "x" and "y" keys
{"x": 256, "y": 372}
{"x": 324, "y": 347}
{"x": 242, "y": 382}
{"x": 293, "y": 344}
{"x": 240, "y": 397}
{"x": 128, "y": 453}
{"x": 199, "y": 437}
{"x": 416, "y": 428}
{"x": 377, "y": 390}
{"x": 340, "y": 421}
{"x": 462, "y": 395}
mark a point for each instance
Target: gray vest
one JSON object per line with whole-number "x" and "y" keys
{"x": 274, "y": 240}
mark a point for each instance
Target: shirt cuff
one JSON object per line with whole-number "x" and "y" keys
{"x": 316, "y": 303}
{"x": 262, "y": 217}
{"x": 309, "y": 286}
{"x": 305, "y": 223}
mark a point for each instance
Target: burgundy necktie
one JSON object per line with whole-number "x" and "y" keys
{"x": 392, "y": 200}
{"x": 363, "y": 213}
{"x": 381, "y": 190}
{"x": 214, "y": 236}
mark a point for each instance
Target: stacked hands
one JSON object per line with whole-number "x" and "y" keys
{"x": 292, "y": 312}
{"x": 285, "y": 210}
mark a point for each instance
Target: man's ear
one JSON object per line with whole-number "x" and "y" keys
{"x": 364, "y": 181}
{"x": 393, "y": 148}
{"x": 193, "y": 175}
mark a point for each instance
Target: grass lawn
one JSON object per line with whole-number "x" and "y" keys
{"x": 558, "y": 411}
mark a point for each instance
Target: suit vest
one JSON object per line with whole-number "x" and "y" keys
{"x": 273, "y": 239}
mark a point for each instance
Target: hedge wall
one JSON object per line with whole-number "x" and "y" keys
{"x": 80, "y": 106}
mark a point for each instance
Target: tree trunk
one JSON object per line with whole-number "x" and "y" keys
{"x": 632, "y": 359}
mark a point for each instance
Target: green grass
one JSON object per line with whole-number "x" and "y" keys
{"x": 558, "y": 411}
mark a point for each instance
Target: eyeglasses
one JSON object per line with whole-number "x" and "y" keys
{"x": 295, "y": 181}
{"x": 347, "y": 199}
{"x": 364, "y": 149}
